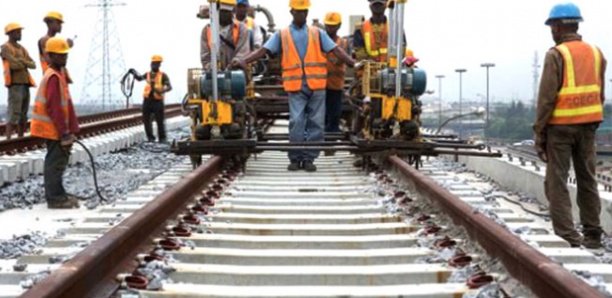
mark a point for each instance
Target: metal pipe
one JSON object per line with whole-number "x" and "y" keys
{"x": 214, "y": 51}
{"x": 391, "y": 38}
{"x": 542, "y": 275}
{"x": 269, "y": 16}
{"x": 398, "y": 44}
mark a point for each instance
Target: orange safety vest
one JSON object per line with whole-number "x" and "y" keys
{"x": 235, "y": 34}
{"x": 313, "y": 68}
{"x": 45, "y": 65}
{"x": 158, "y": 85}
{"x": 376, "y": 48}
{"x": 41, "y": 124}
{"x": 336, "y": 68}
{"x": 579, "y": 100}
{"x": 8, "y": 80}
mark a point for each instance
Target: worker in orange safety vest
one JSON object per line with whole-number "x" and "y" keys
{"x": 16, "y": 61}
{"x": 304, "y": 74}
{"x": 569, "y": 110}
{"x": 54, "y": 119}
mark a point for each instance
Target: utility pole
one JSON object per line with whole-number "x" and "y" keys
{"x": 460, "y": 71}
{"x": 440, "y": 77}
{"x": 536, "y": 78}
{"x": 487, "y": 65}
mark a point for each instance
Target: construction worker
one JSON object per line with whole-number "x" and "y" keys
{"x": 255, "y": 36}
{"x": 335, "y": 74}
{"x": 54, "y": 120}
{"x": 233, "y": 37}
{"x": 370, "y": 40}
{"x": 157, "y": 85}
{"x": 54, "y": 21}
{"x": 570, "y": 108}
{"x": 409, "y": 59}
{"x": 17, "y": 79}
{"x": 302, "y": 49}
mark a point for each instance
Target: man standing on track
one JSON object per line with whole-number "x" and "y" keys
{"x": 302, "y": 49}
{"x": 157, "y": 85}
{"x": 54, "y": 120}
{"x": 17, "y": 78}
{"x": 570, "y": 108}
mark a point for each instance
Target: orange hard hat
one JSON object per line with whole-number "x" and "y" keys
{"x": 54, "y": 15}
{"x": 12, "y": 27}
{"x": 57, "y": 45}
{"x": 157, "y": 58}
{"x": 299, "y": 4}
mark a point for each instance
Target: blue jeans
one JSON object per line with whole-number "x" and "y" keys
{"x": 306, "y": 121}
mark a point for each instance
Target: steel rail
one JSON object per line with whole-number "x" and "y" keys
{"x": 542, "y": 275}
{"x": 101, "y": 125}
{"x": 91, "y": 273}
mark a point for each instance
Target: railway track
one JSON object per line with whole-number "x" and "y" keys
{"x": 91, "y": 125}
{"x": 265, "y": 232}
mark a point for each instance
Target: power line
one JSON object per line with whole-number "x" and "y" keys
{"x": 105, "y": 64}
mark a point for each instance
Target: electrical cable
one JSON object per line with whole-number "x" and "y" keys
{"x": 93, "y": 167}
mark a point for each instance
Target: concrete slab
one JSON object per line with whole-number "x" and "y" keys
{"x": 309, "y": 275}
{"x": 310, "y": 229}
{"x": 299, "y": 209}
{"x": 569, "y": 255}
{"x": 406, "y": 291}
{"x": 300, "y": 202}
{"x": 300, "y": 257}
{"x": 304, "y": 218}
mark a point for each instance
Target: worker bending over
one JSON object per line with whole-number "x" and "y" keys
{"x": 570, "y": 108}
{"x": 304, "y": 72}
{"x": 54, "y": 120}
{"x": 17, "y": 79}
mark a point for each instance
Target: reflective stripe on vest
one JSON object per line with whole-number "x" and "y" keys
{"x": 336, "y": 69}
{"x": 376, "y": 49}
{"x": 157, "y": 82}
{"x": 250, "y": 23}
{"x": 8, "y": 79}
{"x": 313, "y": 68}
{"x": 235, "y": 34}
{"x": 41, "y": 125}
{"x": 579, "y": 100}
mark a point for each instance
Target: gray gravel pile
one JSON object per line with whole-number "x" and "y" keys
{"x": 22, "y": 245}
{"x": 118, "y": 173}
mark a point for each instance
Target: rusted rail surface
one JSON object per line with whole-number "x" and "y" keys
{"x": 91, "y": 273}
{"x": 543, "y": 276}
{"x": 92, "y": 125}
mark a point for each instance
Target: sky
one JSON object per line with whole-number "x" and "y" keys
{"x": 444, "y": 35}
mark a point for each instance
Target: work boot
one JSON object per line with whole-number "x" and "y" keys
{"x": 293, "y": 166}
{"x": 68, "y": 203}
{"x": 592, "y": 238}
{"x": 9, "y": 130}
{"x": 308, "y": 166}
{"x": 21, "y": 130}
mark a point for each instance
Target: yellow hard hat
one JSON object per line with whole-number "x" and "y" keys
{"x": 228, "y": 2}
{"x": 332, "y": 18}
{"x": 409, "y": 53}
{"x": 157, "y": 58}
{"x": 299, "y": 4}
{"x": 11, "y": 27}
{"x": 57, "y": 45}
{"x": 55, "y": 16}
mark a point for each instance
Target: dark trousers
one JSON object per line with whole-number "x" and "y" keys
{"x": 56, "y": 161}
{"x": 154, "y": 108}
{"x": 575, "y": 143}
{"x": 333, "y": 110}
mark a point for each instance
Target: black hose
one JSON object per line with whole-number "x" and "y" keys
{"x": 93, "y": 167}
{"x": 127, "y": 85}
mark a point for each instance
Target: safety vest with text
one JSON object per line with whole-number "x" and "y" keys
{"x": 157, "y": 84}
{"x": 579, "y": 100}
{"x": 41, "y": 124}
{"x": 336, "y": 69}
{"x": 314, "y": 67}
{"x": 375, "y": 44}
{"x": 8, "y": 79}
